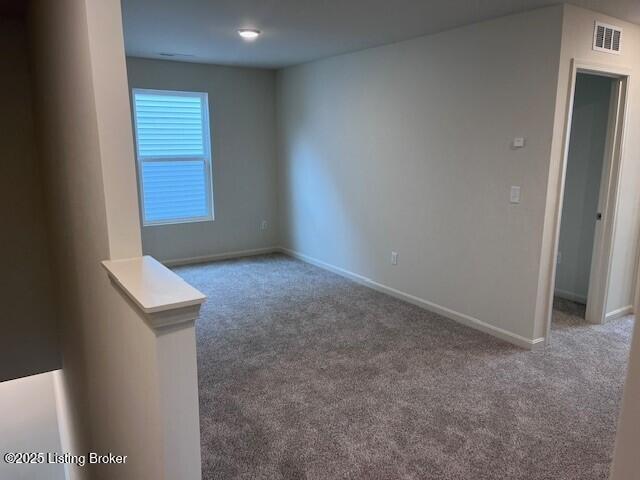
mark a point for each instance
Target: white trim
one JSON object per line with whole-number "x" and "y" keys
{"x": 219, "y": 256}
{"x": 619, "y": 313}
{"x": 173, "y": 319}
{"x": 574, "y": 297}
{"x": 602, "y": 256}
{"x": 467, "y": 320}
{"x": 529, "y": 344}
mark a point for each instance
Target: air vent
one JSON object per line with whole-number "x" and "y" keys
{"x": 607, "y": 38}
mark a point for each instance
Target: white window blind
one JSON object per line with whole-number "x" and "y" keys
{"x": 174, "y": 156}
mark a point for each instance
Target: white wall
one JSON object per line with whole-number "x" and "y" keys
{"x": 577, "y": 44}
{"x": 29, "y": 424}
{"x": 28, "y": 343}
{"x": 582, "y": 185}
{"x": 406, "y": 147}
{"x": 242, "y": 122}
{"x": 110, "y": 391}
{"x": 626, "y": 461}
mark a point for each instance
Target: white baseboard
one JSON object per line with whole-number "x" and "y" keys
{"x": 574, "y": 297}
{"x": 619, "y": 313}
{"x": 220, "y": 256}
{"x": 467, "y": 320}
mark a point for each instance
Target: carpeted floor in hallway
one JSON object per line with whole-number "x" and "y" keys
{"x": 306, "y": 375}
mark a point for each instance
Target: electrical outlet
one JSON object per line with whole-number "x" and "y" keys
{"x": 394, "y": 258}
{"x": 518, "y": 142}
{"x": 264, "y": 225}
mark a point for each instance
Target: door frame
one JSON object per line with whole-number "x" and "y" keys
{"x": 608, "y": 197}
{"x": 607, "y": 205}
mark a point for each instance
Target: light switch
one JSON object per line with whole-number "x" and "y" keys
{"x": 518, "y": 142}
{"x": 515, "y": 195}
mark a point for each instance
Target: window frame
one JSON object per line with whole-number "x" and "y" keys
{"x": 207, "y": 157}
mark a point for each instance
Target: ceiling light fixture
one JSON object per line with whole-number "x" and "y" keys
{"x": 249, "y": 33}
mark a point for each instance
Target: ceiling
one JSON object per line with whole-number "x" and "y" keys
{"x": 298, "y": 31}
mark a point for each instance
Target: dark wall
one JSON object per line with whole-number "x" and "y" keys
{"x": 28, "y": 335}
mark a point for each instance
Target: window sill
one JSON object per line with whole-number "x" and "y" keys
{"x": 178, "y": 222}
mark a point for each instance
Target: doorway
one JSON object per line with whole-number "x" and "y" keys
{"x": 587, "y": 211}
{"x": 581, "y": 215}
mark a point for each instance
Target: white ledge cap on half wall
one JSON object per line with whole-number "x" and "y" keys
{"x": 162, "y": 297}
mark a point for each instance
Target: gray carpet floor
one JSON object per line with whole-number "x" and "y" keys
{"x": 306, "y": 375}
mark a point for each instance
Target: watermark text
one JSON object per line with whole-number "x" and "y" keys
{"x": 91, "y": 458}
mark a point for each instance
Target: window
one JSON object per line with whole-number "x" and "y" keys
{"x": 174, "y": 156}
